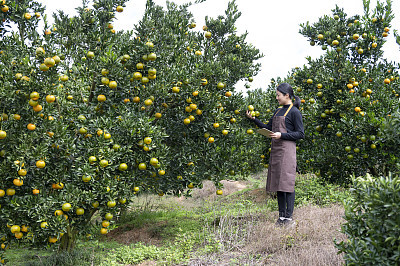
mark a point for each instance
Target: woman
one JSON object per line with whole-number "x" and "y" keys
{"x": 287, "y": 125}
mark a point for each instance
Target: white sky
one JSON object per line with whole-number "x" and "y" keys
{"x": 272, "y": 27}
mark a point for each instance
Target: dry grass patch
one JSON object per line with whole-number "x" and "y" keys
{"x": 259, "y": 242}
{"x": 309, "y": 242}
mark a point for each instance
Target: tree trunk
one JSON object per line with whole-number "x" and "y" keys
{"x": 68, "y": 240}
{"x": 373, "y": 171}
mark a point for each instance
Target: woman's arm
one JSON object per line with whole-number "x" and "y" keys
{"x": 258, "y": 122}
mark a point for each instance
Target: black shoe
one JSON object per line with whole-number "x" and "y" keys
{"x": 280, "y": 222}
{"x": 289, "y": 222}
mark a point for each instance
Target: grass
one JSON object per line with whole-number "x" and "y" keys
{"x": 234, "y": 229}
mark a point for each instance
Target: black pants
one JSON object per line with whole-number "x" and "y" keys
{"x": 286, "y": 203}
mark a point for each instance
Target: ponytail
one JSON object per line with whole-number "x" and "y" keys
{"x": 285, "y": 88}
{"x": 297, "y": 101}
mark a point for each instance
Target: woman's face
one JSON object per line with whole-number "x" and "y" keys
{"x": 282, "y": 99}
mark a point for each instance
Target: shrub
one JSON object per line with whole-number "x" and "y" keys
{"x": 373, "y": 220}
{"x": 314, "y": 190}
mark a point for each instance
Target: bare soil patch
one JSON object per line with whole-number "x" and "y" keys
{"x": 209, "y": 189}
{"x": 128, "y": 234}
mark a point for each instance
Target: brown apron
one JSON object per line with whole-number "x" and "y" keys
{"x": 282, "y": 160}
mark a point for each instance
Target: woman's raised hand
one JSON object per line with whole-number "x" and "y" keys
{"x": 248, "y": 114}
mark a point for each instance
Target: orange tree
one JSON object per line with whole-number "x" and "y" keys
{"x": 348, "y": 95}
{"x": 195, "y": 95}
{"x": 92, "y": 115}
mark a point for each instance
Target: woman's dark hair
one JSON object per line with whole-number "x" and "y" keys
{"x": 285, "y": 88}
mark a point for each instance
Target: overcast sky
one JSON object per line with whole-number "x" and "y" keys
{"x": 272, "y": 27}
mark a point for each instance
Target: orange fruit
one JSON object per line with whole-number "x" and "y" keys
{"x": 10, "y": 192}
{"x": 105, "y": 81}
{"x": 43, "y": 224}
{"x": 148, "y": 102}
{"x": 112, "y": 84}
{"x": 15, "y": 228}
{"x": 40, "y": 164}
{"x": 161, "y": 172}
{"x": 38, "y": 108}
{"x": 105, "y": 72}
{"x": 123, "y": 167}
{"x": 24, "y": 228}
{"x": 142, "y": 166}
{"x": 66, "y": 207}
{"x": 108, "y": 216}
{"x": 50, "y": 98}
{"x": 139, "y": 66}
{"x": 5, "y": 9}
{"x": 107, "y": 135}
{"x": 31, "y": 127}
{"x": 147, "y": 140}
{"x": 34, "y": 96}
{"x": 3, "y": 134}
{"x": 22, "y": 172}
{"x": 49, "y": 62}
{"x": 18, "y": 182}
{"x": 101, "y": 98}
{"x": 58, "y": 212}
{"x": 151, "y": 56}
{"x": 58, "y": 186}
{"x": 64, "y": 78}
{"x": 105, "y": 223}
